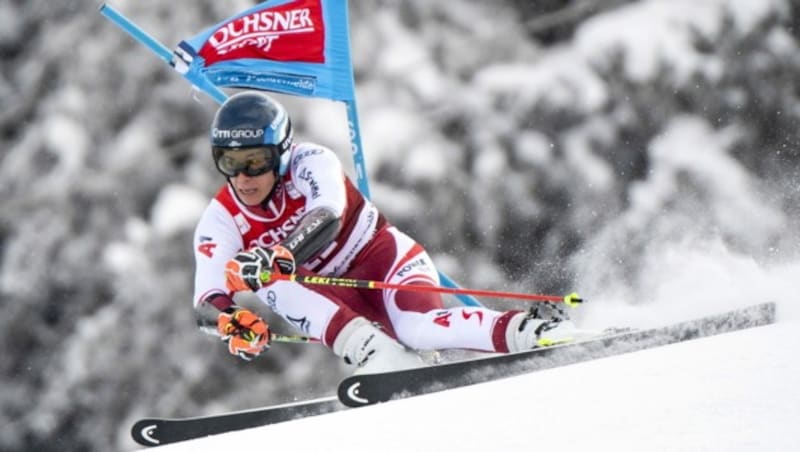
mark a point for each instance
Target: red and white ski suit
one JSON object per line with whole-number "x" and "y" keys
{"x": 367, "y": 247}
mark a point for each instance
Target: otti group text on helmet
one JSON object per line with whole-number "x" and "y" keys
{"x": 237, "y": 133}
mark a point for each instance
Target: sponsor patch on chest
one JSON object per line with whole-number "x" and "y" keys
{"x": 292, "y": 191}
{"x": 242, "y": 223}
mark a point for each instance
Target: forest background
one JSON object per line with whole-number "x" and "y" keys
{"x": 541, "y": 146}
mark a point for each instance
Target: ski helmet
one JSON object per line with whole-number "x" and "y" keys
{"x": 249, "y": 134}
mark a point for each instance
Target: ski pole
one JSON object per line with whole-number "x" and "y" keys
{"x": 570, "y": 300}
{"x": 293, "y": 339}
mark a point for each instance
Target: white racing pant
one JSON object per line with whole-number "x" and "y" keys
{"x": 416, "y": 319}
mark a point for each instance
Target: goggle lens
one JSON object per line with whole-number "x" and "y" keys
{"x": 250, "y": 161}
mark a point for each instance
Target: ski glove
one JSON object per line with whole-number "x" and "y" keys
{"x": 246, "y": 270}
{"x": 246, "y": 334}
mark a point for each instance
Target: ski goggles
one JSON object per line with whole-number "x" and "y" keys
{"x": 249, "y": 161}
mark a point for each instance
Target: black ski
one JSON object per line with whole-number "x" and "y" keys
{"x": 360, "y": 390}
{"x": 155, "y": 432}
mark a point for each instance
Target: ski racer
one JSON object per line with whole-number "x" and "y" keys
{"x": 289, "y": 207}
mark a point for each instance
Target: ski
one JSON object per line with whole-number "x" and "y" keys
{"x": 159, "y": 431}
{"x": 360, "y": 390}
{"x": 367, "y": 389}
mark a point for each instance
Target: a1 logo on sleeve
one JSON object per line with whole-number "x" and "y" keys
{"x": 206, "y": 246}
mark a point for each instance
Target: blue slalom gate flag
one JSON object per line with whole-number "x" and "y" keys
{"x": 297, "y": 47}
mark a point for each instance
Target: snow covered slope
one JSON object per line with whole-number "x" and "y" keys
{"x": 734, "y": 392}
